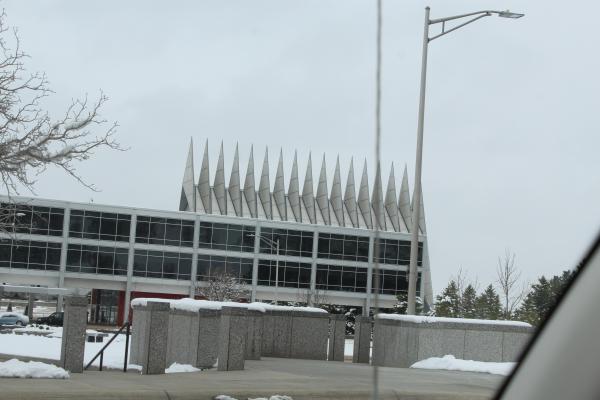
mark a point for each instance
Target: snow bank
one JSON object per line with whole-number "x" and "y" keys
{"x": 188, "y": 304}
{"x": 176, "y": 368}
{"x": 421, "y": 319}
{"x": 33, "y": 369}
{"x": 450, "y": 363}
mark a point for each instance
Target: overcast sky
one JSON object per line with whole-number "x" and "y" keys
{"x": 511, "y": 153}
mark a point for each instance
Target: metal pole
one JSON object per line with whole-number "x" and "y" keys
{"x": 126, "y": 359}
{"x": 277, "y": 274}
{"x": 416, "y": 211}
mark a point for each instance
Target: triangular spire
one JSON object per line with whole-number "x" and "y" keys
{"x": 322, "y": 200}
{"x": 364, "y": 205}
{"x": 219, "y": 185}
{"x": 350, "y": 196}
{"x": 404, "y": 201}
{"x": 422, "y": 225}
{"x": 188, "y": 190}
{"x": 279, "y": 189}
{"x": 264, "y": 188}
{"x": 250, "y": 185}
{"x": 307, "y": 192}
{"x": 235, "y": 192}
{"x": 204, "y": 182}
{"x": 337, "y": 203}
{"x": 377, "y": 199}
{"x": 391, "y": 203}
{"x": 294, "y": 191}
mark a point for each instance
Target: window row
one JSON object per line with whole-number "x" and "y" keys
{"x": 21, "y": 218}
{"x": 159, "y": 264}
{"x": 99, "y": 225}
{"x": 394, "y": 282}
{"x": 164, "y": 231}
{"x": 397, "y": 252}
{"x": 96, "y": 260}
{"x": 286, "y": 274}
{"x": 345, "y": 279}
{"x": 343, "y": 247}
{"x": 291, "y": 242}
{"x": 226, "y": 237}
{"x": 29, "y": 254}
{"x": 214, "y": 266}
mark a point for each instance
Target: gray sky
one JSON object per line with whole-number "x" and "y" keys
{"x": 512, "y": 120}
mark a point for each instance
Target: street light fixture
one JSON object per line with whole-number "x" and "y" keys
{"x": 274, "y": 245}
{"x": 416, "y": 212}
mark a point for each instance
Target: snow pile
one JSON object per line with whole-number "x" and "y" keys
{"x": 188, "y": 304}
{"x": 176, "y": 368}
{"x": 33, "y": 369}
{"x": 450, "y": 363}
{"x": 422, "y": 319}
{"x": 37, "y": 329}
{"x": 274, "y": 397}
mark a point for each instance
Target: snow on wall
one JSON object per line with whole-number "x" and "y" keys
{"x": 188, "y": 304}
{"x": 421, "y": 319}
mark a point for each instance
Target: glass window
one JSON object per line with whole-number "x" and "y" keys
{"x": 212, "y": 266}
{"x": 291, "y": 274}
{"x": 343, "y": 247}
{"x": 98, "y": 225}
{"x": 291, "y": 242}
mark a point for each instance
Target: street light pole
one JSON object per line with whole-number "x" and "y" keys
{"x": 277, "y": 273}
{"x": 416, "y": 206}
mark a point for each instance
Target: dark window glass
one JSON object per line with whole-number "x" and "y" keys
{"x": 56, "y": 224}
{"x": 91, "y": 227}
{"x": 37, "y": 255}
{"x": 75, "y": 226}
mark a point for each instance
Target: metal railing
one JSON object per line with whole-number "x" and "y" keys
{"x": 101, "y": 352}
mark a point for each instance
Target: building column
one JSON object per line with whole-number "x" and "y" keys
{"x": 129, "y": 285}
{"x": 63, "y": 256}
{"x": 313, "y": 269}
{"x": 255, "y": 260}
{"x": 194, "y": 270}
{"x": 368, "y": 304}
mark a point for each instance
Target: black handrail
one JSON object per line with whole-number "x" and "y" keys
{"x": 101, "y": 352}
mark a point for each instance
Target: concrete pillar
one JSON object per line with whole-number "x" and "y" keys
{"x": 209, "y": 322}
{"x": 362, "y": 340}
{"x": 282, "y": 334}
{"x": 154, "y": 353}
{"x": 73, "y": 335}
{"x": 309, "y": 335}
{"x": 254, "y": 335}
{"x": 232, "y": 338}
{"x": 337, "y": 337}
{"x": 267, "y": 334}
{"x": 138, "y": 327}
{"x": 182, "y": 346}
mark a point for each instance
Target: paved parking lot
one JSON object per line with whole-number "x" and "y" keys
{"x": 300, "y": 379}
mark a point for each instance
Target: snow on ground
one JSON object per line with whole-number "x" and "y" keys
{"x": 176, "y": 368}
{"x": 32, "y": 369}
{"x": 49, "y": 347}
{"x": 422, "y": 319}
{"x": 450, "y": 363}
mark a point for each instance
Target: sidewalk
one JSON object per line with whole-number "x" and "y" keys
{"x": 300, "y": 379}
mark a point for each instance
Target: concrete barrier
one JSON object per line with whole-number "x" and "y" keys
{"x": 403, "y": 340}
{"x": 309, "y": 335}
{"x": 182, "y": 343}
{"x": 209, "y": 322}
{"x": 232, "y": 338}
{"x": 362, "y": 340}
{"x": 73, "y": 334}
{"x": 150, "y": 337}
{"x": 337, "y": 337}
{"x": 254, "y": 335}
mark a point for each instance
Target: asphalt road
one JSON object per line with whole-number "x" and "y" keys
{"x": 300, "y": 379}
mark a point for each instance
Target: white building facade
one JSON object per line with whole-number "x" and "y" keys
{"x": 327, "y": 250}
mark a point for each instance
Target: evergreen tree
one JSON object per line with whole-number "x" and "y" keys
{"x": 488, "y": 304}
{"x": 468, "y": 302}
{"x": 402, "y": 305}
{"x": 542, "y": 297}
{"x": 448, "y": 303}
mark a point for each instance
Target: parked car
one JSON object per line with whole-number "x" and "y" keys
{"x": 13, "y": 318}
{"x": 54, "y": 319}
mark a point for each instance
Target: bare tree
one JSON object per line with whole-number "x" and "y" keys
{"x": 508, "y": 276}
{"x": 224, "y": 287}
{"x": 31, "y": 140}
{"x": 312, "y": 297}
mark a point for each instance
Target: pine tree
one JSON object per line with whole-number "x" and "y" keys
{"x": 448, "y": 303}
{"x": 542, "y": 297}
{"x": 488, "y": 304}
{"x": 468, "y": 302}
